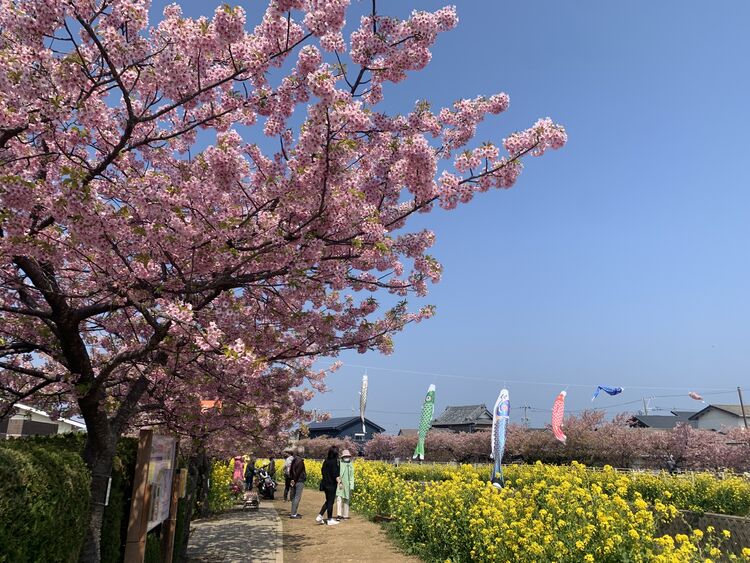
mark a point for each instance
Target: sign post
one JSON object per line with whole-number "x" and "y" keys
{"x": 135, "y": 546}
{"x": 152, "y": 491}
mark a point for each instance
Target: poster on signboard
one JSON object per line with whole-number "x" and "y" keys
{"x": 160, "y": 473}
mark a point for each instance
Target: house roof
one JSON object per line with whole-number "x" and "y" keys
{"x": 464, "y": 414}
{"x": 42, "y": 413}
{"x": 341, "y": 422}
{"x": 659, "y": 421}
{"x": 683, "y": 415}
{"x": 735, "y": 410}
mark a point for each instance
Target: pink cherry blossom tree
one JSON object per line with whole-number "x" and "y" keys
{"x": 155, "y": 252}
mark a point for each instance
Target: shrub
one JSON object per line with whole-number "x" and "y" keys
{"x": 44, "y": 501}
{"x": 220, "y": 495}
{"x": 114, "y": 526}
{"x": 153, "y": 549}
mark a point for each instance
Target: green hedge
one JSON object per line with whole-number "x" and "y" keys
{"x": 114, "y": 526}
{"x": 44, "y": 501}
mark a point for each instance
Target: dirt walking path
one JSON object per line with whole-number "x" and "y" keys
{"x": 356, "y": 539}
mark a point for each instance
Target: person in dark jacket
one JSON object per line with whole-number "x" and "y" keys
{"x": 249, "y": 474}
{"x": 288, "y": 459}
{"x": 297, "y": 476}
{"x": 328, "y": 484}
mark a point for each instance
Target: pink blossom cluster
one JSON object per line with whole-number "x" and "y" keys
{"x": 229, "y": 23}
{"x": 543, "y": 135}
{"x": 467, "y": 114}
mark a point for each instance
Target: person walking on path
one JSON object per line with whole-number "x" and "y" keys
{"x": 287, "y": 480}
{"x": 346, "y": 486}
{"x": 249, "y": 474}
{"x": 328, "y": 484}
{"x": 297, "y": 476}
{"x": 271, "y": 466}
{"x": 237, "y": 473}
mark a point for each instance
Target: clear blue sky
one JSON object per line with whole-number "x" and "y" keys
{"x": 621, "y": 259}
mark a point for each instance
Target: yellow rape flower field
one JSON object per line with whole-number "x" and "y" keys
{"x": 544, "y": 513}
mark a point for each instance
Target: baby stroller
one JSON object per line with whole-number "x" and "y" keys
{"x": 265, "y": 484}
{"x": 250, "y": 500}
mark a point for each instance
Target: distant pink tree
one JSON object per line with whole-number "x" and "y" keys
{"x": 383, "y": 446}
{"x": 317, "y": 448}
{"x": 591, "y": 440}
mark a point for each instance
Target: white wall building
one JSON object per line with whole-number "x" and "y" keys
{"x": 716, "y": 417}
{"x": 28, "y": 421}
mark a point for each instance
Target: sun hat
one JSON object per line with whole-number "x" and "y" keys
{"x": 346, "y": 453}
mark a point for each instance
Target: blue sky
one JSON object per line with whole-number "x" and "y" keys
{"x": 621, "y": 259}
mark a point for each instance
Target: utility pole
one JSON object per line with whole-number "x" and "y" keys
{"x": 525, "y": 418}
{"x": 742, "y": 406}
{"x": 645, "y": 406}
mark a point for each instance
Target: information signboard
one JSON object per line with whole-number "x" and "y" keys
{"x": 160, "y": 472}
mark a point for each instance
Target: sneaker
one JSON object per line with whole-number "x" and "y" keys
{"x": 319, "y": 518}
{"x": 331, "y": 522}
{"x": 339, "y": 517}
{"x": 295, "y": 516}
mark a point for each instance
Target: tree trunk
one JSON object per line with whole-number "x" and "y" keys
{"x": 99, "y": 456}
{"x": 201, "y": 495}
{"x": 191, "y": 490}
{"x": 102, "y": 435}
{"x": 189, "y": 503}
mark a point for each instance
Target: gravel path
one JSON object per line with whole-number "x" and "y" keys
{"x": 238, "y": 536}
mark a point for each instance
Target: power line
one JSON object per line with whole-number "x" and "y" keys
{"x": 601, "y": 407}
{"x": 526, "y": 382}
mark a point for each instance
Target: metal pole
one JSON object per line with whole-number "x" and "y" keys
{"x": 742, "y": 406}
{"x": 645, "y": 406}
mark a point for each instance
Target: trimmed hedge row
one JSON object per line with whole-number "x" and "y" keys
{"x": 44, "y": 502}
{"x": 64, "y": 523}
